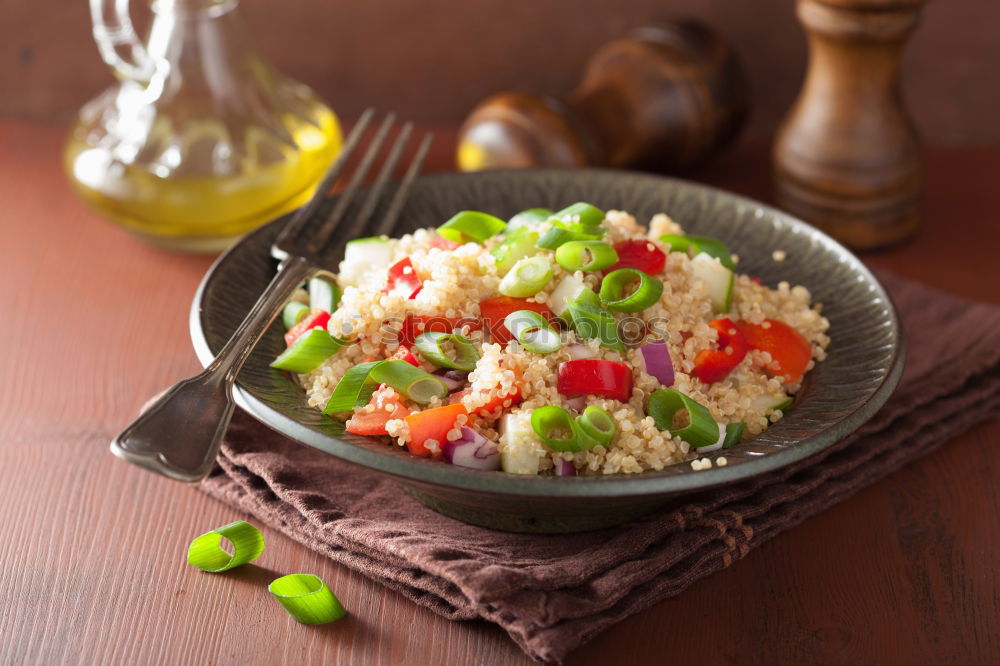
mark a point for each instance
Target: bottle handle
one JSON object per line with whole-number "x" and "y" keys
{"x": 120, "y": 47}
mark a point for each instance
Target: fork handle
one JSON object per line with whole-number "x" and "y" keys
{"x": 179, "y": 434}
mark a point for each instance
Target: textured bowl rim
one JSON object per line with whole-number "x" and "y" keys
{"x": 403, "y": 466}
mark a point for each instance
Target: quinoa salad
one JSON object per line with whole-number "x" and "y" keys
{"x": 553, "y": 343}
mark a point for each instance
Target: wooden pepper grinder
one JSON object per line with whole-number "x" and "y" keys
{"x": 666, "y": 97}
{"x": 847, "y": 157}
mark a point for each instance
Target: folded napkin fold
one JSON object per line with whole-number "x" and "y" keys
{"x": 554, "y": 593}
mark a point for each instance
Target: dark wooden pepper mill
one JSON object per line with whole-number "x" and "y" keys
{"x": 847, "y": 157}
{"x": 667, "y": 97}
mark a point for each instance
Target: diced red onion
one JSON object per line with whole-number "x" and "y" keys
{"x": 656, "y": 358}
{"x": 453, "y": 379}
{"x": 565, "y": 468}
{"x": 472, "y": 450}
{"x": 577, "y": 404}
{"x": 578, "y": 351}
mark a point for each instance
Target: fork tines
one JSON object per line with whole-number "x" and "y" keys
{"x": 293, "y": 239}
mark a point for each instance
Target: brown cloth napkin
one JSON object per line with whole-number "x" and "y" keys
{"x": 554, "y": 593}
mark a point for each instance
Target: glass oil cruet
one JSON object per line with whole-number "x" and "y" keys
{"x": 199, "y": 140}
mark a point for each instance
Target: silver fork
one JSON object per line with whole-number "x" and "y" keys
{"x": 180, "y": 433}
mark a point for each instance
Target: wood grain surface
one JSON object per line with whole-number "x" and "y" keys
{"x": 92, "y": 566}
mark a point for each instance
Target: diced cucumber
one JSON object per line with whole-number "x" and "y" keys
{"x": 362, "y": 255}
{"x": 324, "y": 294}
{"x": 293, "y": 313}
{"x": 717, "y": 278}
{"x": 514, "y": 249}
{"x": 520, "y": 448}
{"x": 772, "y": 401}
{"x": 567, "y": 290}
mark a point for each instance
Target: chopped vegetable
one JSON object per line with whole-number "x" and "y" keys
{"x": 592, "y": 322}
{"x": 595, "y": 376}
{"x": 630, "y": 290}
{"x": 307, "y": 598}
{"x": 387, "y": 407}
{"x": 403, "y": 280}
{"x": 568, "y": 289}
{"x": 418, "y": 385}
{"x": 695, "y": 245}
{"x": 527, "y": 277}
{"x": 586, "y": 255}
{"x": 718, "y": 280}
{"x": 521, "y": 450}
{"x": 656, "y": 358}
{"x": 495, "y": 310}
{"x": 414, "y": 325}
{"x": 734, "y": 431}
{"x": 555, "y": 426}
{"x": 790, "y": 351}
{"x": 597, "y": 424}
{"x": 362, "y": 255}
{"x": 431, "y": 424}
{"x": 533, "y": 331}
{"x": 640, "y": 255}
{"x": 664, "y": 405}
{"x": 444, "y": 244}
{"x": 514, "y": 249}
{"x": 472, "y": 450}
{"x": 713, "y": 365}
{"x": 471, "y": 225}
{"x": 447, "y": 350}
{"x": 315, "y": 319}
{"x": 403, "y": 354}
{"x": 527, "y": 220}
{"x": 565, "y": 468}
{"x": 293, "y": 313}
{"x": 353, "y": 390}
{"x": 306, "y": 353}
{"x": 324, "y": 293}
{"x": 580, "y": 213}
{"x": 206, "y": 552}
{"x": 558, "y": 235}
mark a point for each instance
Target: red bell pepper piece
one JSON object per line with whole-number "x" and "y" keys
{"x": 373, "y": 423}
{"x": 641, "y": 255}
{"x": 315, "y": 319}
{"x": 404, "y": 354}
{"x": 790, "y": 351}
{"x": 443, "y": 243}
{"x": 431, "y": 424}
{"x": 414, "y": 325}
{"x": 713, "y": 365}
{"x": 403, "y": 279}
{"x": 495, "y": 310}
{"x": 586, "y": 376}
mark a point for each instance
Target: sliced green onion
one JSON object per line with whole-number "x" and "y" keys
{"x": 533, "y": 332}
{"x": 308, "y": 351}
{"x": 665, "y": 403}
{"x": 307, "y": 598}
{"x": 555, "y": 426}
{"x": 528, "y": 277}
{"x": 586, "y": 256}
{"x": 734, "y": 431}
{"x": 647, "y": 290}
{"x": 597, "y": 424}
{"x": 448, "y": 350}
{"x": 580, "y": 213}
{"x": 353, "y": 390}
{"x": 526, "y": 220}
{"x": 418, "y": 385}
{"x": 590, "y": 322}
{"x": 206, "y": 553}
{"x": 694, "y": 245}
{"x": 471, "y": 225}
{"x": 324, "y": 294}
{"x": 558, "y": 235}
{"x": 514, "y": 249}
{"x": 293, "y": 313}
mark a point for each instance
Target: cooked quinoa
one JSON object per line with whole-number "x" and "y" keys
{"x": 456, "y": 281}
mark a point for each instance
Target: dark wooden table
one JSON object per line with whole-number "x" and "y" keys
{"x": 92, "y": 566}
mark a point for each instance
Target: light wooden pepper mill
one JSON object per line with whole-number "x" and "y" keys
{"x": 666, "y": 97}
{"x": 847, "y": 158}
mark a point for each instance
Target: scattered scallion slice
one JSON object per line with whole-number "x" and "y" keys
{"x": 558, "y": 235}
{"x": 555, "y": 426}
{"x": 533, "y": 332}
{"x": 418, "y": 385}
{"x": 590, "y": 321}
{"x": 205, "y": 552}
{"x": 293, "y": 313}
{"x": 695, "y": 245}
{"x": 353, "y": 390}
{"x": 528, "y": 277}
{"x": 308, "y": 351}
{"x": 644, "y": 290}
{"x": 324, "y": 294}
{"x": 471, "y": 225}
{"x": 447, "y": 350}
{"x": 734, "y": 431}
{"x": 307, "y": 598}
{"x": 581, "y": 213}
{"x": 663, "y": 406}
{"x": 586, "y": 255}
{"x": 526, "y": 220}
{"x": 514, "y": 249}
{"x": 597, "y": 424}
